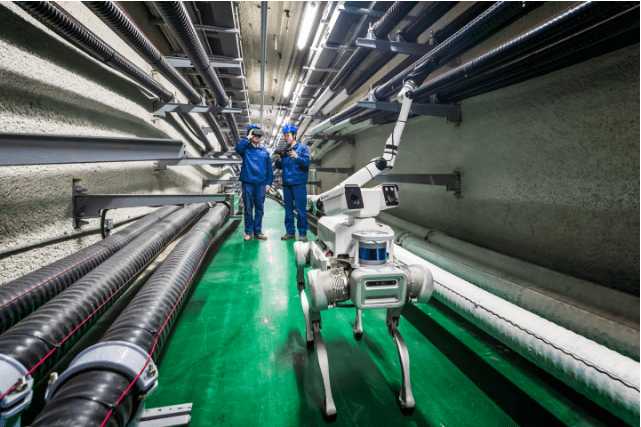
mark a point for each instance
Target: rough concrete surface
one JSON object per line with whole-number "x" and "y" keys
{"x": 49, "y": 86}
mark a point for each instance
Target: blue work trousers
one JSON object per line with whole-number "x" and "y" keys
{"x": 253, "y": 199}
{"x": 296, "y": 194}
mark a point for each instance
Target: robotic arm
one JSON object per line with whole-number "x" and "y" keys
{"x": 374, "y": 167}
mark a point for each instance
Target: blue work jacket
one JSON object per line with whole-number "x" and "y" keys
{"x": 295, "y": 171}
{"x": 257, "y": 166}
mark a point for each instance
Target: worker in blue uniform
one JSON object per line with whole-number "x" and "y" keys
{"x": 257, "y": 176}
{"x": 295, "y": 168}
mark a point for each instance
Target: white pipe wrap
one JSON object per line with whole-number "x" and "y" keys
{"x": 321, "y": 100}
{"x": 338, "y": 99}
{"x": 603, "y": 375}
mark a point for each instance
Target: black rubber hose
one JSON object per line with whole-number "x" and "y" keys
{"x": 381, "y": 29}
{"x": 175, "y": 15}
{"x": 103, "y": 217}
{"x": 345, "y": 114}
{"x": 576, "y": 18}
{"x": 112, "y": 15}
{"x": 146, "y": 322}
{"x": 195, "y": 127}
{"x": 606, "y": 37}
{"x": 410, "y": 33}
{"x": 93, "y": 394}
{"x": 492, "y": 20}
{"x": 56, "y": 18}
{"x": 24, "y": 295}
{"x": 39, "y": 340}
{"x": 461, "y": 21}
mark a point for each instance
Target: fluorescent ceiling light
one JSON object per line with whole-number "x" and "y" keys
{"x": 287, "y": 88}
{"x": 307, "y": 25}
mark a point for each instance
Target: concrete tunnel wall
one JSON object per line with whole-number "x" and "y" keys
{"x": 49, "y": 86}
{"x": 550, "y": 166}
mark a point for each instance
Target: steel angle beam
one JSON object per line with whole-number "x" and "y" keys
{"x": 206, "y": 28}
{"x": 208, "y": 182}
{"x": 44, "y": 149}
{"x": 326, "y": 137}
{"x": 348, "y": 171}
{"x": 89, "y": 205}
{"x": 207, "y": 129}
{"x": 316, "y": 183}
{"x": 197, "y": 161}
{"x": 326, "y": 70}
{"x": 451, "y": 181}
{"x": 215, "y": 62}
{"x": 451, "y": 112}
{"x": 176, "y": 415}
{"x": 163, "y": 108}
{"x": 396, "y": 47}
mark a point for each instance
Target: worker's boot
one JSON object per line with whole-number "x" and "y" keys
{"x": 248, "y": 237}
{"x": 302, "y": 238}
{"x": 288, "y": 236}
{"x": 261, "y": 237}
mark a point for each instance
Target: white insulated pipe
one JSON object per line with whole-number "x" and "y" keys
{"x": 338, "y": 100}
{"x": 603, "y": 375}
{"x": 557, "y": 297}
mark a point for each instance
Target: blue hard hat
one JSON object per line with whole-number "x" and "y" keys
{"x": 252, "y": 127}
{"x": 289, "y": 128}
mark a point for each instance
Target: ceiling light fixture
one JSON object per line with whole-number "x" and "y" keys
{"x": 287, "y": 88}
{"x": 307, "y": 25}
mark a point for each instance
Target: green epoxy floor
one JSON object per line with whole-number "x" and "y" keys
{"x": 239, "y": 355}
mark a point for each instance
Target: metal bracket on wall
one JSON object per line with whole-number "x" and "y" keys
{"x": 216, "y": 62}
{"x": 325, "y": 137}
{"x": 414, "y": 49}
{"x": 451, "y": 112}
{"x": 162, "y": 108}
{"x": 176, "y": 415}
{"x": 452, "y": 182}
{"x": 225, "y": 182}
{"x": 348, "y": 171}
{"x": 89, "y": 205}
{"x": 195, "y": 161}
{"x": 45, "y": 149}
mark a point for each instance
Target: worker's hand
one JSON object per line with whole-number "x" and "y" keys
{"x": 267, "y": 188}
{"x": 250, "y": 135}
{"x": 293, "y": 154}
{"x": 277, "y": 157}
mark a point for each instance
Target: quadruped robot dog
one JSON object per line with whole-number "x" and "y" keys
{"x": 353, "y": 259}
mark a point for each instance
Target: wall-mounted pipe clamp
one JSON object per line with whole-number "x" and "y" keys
{"x": 122, "y": 357}
{"x": 13, "y": 403}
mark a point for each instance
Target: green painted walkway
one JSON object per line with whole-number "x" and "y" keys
{"x": 238, "y": 354}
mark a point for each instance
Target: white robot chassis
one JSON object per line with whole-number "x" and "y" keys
{"x": 353, "y": 259}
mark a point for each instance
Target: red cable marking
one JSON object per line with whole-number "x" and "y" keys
{"x": 161, "y": 329}
{"x": 51, "y": 278}
{"x": 94, "y": 312}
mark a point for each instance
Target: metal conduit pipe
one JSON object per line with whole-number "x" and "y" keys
{"x": 112, "y": 15}
{"x": 24, "y": 295}
{"x": 602, "y": 375}
{"x": 409, "y": 34}
{"x": 57, "y": 19}
{"x": 602, "y": 38}
{"x": 578, "y": 17}
{"x": 32, "y": 346}
{"x": 104, "y": 394}
{"x": 381, "y": 29}
{"x": 492, "y": 20}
